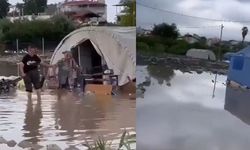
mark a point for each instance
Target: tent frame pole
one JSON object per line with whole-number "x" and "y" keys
{"x": 79, "y": 55}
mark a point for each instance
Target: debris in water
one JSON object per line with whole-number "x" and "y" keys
{"x": 11, "y": 143}
{"x": 36, "y": 147}
{"x": 72, "y": 148}
{"x": 2, "y": 140}
{"x": 53, "y": 147}
{"x": 25, "y": 144}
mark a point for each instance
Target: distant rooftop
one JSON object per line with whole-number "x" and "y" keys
{"x": 84, "y": 2}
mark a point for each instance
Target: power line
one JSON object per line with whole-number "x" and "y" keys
{"x": 190, "y": 16}
{"x": 179, "y": 26}
{"x": 198, "y": 27}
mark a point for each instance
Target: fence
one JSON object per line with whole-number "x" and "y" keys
{"x": 19, "y": 47}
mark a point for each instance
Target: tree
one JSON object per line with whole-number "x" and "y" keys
{"x": 244, "y": 33}
{"x": 28, "y": 31}
{"x": 129, "y": 17}
{"x": 20, "y": 7}
{"x": 166, "y": 30}
{"x": 4, "y": 8}
{"x": 161, "y": 73}
{"x": 34, "y": 6}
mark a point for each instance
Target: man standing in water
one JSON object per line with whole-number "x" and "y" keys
{"x": 30, "y": 73}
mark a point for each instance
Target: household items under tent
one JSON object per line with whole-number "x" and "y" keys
{"x": 106, "y": 55}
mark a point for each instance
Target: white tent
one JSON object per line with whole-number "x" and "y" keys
{"x": 201, "y": 54}
{"x": 115, "y": 45}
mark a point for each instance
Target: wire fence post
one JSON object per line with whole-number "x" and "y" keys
{"x": 17, "y": 47}
{"x": 43, "y": 46}
{"x": 79, "y": 55}
{"x": 18, "y": 69}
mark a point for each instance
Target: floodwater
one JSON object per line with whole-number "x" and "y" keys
{"x": 183, "y": 111}
{"x": 8, "y": 69}
{"x": 63, "y": 118}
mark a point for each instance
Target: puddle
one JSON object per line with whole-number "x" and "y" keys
{"x": 183, "y": 111}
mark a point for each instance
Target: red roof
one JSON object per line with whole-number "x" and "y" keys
{"x": 84, "y": 2}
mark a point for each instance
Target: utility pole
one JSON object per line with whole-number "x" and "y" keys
{"x": 17, "y": 47}
{"x": 218, "y": 59}
{"x": 215, "y": 80}
{"x": 43, "y": 46}
{"x": 221, "y": 31}
{"x": 22, "y": 13}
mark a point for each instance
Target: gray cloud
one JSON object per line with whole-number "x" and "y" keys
{"x": 244, "y": 1}
{"x": 216, "y": 9}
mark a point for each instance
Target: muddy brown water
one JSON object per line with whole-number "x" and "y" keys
{"x": 8, "y": 69}
{"x": 63, "y": 118}
{"x": 179, "y": 112}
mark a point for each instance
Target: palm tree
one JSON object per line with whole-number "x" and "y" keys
{"x": 244, "y": 33}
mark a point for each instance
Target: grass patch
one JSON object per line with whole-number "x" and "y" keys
{"x": 126, "y": 141}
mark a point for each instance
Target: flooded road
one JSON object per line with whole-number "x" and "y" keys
{"x": 63, "y": 118}
{"x": 182, "y": 111}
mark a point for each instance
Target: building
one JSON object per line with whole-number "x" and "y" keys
{"x": 51, "y": 9}
{"x": 30, "y": 17}
{"x": 142, "y": 32}
{"x": 234, "y": 42}
{"x": 85, "y": 11}
{"x": 17, "y": 13}
{"x": 212, "y": 41}
{"x": 191, "y": 38}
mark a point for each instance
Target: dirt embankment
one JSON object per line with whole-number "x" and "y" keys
{"x": 183, "y": 63}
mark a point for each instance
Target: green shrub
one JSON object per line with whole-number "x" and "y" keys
{"x": 158, "y": 47}
{"x": 27, "y": 31}
{"x": 142, "y": 46}
{"x": 179, "y": 48}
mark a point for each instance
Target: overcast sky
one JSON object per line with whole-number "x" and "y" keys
{"x": 111, "y": 10}
{"x": 215, "y": 9}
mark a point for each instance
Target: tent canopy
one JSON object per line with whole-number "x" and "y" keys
{"x": 201, "y": 54}
{"x": 116, "y": 46}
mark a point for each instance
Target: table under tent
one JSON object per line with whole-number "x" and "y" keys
{"x": 105, "y": 54}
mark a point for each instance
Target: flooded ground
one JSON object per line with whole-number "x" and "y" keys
{"x": 182, "y": 111}
{"x": 8, "y": 69}
{"x": 63, "y": 118}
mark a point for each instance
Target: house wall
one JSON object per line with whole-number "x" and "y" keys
{"x": 102, "y": 11}
{"x": 190, "y": 40}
